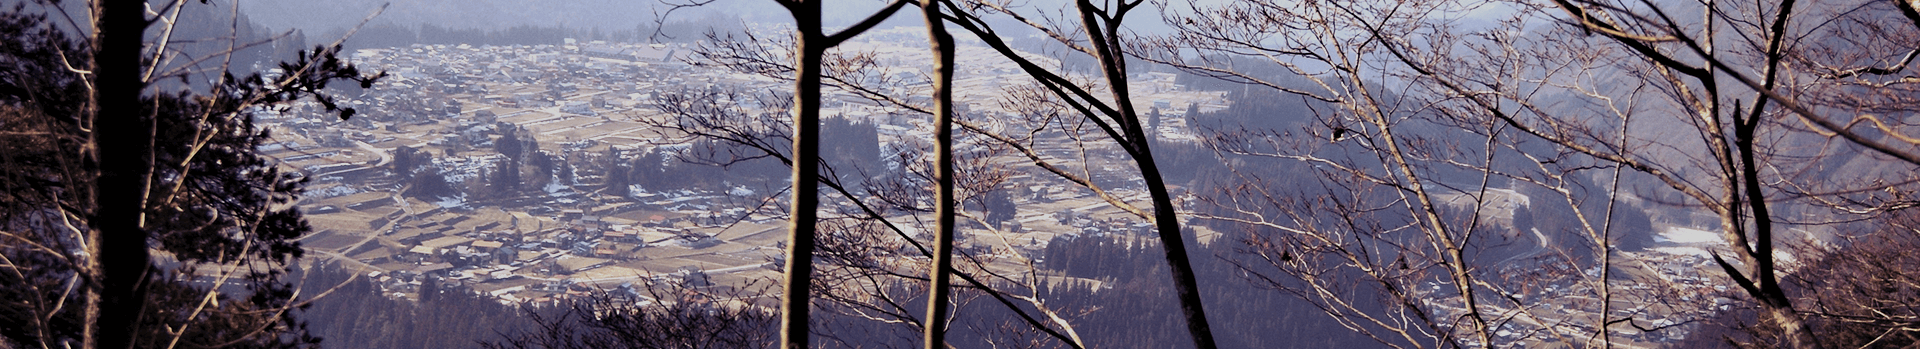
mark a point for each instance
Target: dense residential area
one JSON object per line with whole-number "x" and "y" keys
{"x": 412, "y": 188}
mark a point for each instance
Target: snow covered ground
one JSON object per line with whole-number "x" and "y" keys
{"x": 1686, "y": 241}
{"x": 1681, "y": 241}
{"x": 1680, "y": 235}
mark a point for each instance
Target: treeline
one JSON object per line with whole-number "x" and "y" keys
{"x": 389, "y": 34}
{"x": 1259, "y": 114}
{"x": 679, "y": 168}
{"x": 850, "y": 147}
{"x": 357, "y": 315}
{"x": 1127, "y": 308}
{"x": 1133, "y": 302}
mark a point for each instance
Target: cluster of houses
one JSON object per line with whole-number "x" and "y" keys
{"x": 448, "y": 247}
{"x": 573, "y": 97}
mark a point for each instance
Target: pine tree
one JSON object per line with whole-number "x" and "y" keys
{"x": 1153, "y": 124}
{"x": 141, "y": 172}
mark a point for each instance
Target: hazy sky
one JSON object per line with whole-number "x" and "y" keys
{"x": 322, "y": 16}
{"x": 317, "y": 17}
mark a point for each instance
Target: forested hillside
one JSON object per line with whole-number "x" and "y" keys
{"x": 353, "y": 313}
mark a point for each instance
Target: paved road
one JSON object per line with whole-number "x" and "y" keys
{"x": 386, "y": 154}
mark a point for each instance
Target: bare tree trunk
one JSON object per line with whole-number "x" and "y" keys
{"x": 809, "y": 47}
{"x": 1105, "y": 40}
{"x": 941, "y": 44}
{"x": 1779, "y": 306}
{"x": 1167, "y": 223}
{"x": 120, "y": 145}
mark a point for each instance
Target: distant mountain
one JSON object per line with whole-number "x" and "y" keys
{"x": 316, "y": 17}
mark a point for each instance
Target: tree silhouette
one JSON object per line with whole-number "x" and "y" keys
{"x": 137, "y": 168}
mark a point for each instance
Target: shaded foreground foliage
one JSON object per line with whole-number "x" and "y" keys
{"x": 215, "y": 213}
{"x": 662, "y": 314}
{"x": 1862, "y": 292}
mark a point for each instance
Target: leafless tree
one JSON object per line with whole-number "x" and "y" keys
{"x": 1100, "y": 36}
{"x": 1651, "y": 92}
{"x": 1859, "y": 295}
{"x": 810, "y": 45}
{"x": 861, "y": 272}
{"x": 942, "y": 46}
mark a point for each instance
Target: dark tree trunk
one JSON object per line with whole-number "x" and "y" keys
{"x": 1165, "y": 220}
{"x": 810, "y": 46}
{"x": 121, "y": 142}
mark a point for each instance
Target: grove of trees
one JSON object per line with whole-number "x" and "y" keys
{"x": 1419, "y": 116}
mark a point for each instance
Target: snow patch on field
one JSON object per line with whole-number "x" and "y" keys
{"x": 1680, "y": 235}
{"x": 1682, "y": 251}
{"x": 452, "y": 202}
